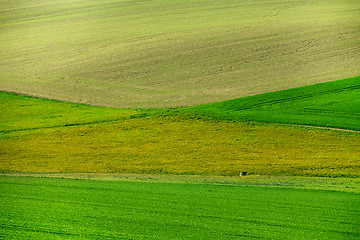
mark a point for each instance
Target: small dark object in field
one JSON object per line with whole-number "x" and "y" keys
{"x": 243, "y": 173}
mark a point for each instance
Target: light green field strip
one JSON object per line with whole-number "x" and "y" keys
{"x": 21, "y": 113}
{"x": 35, "y": 208}
{"x": 342, "y": 184}
{"x": 173, "y": 53}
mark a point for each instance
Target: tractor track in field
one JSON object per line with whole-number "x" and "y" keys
{"x": 290, "y": 99}
{"x": 318, "y": 127}
{"x": 64, "y": 125}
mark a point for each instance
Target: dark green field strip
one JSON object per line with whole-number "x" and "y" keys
{"x": 291, "y": 95}
{"x": 334, "y": 104}
{"x": 83, "y": 209}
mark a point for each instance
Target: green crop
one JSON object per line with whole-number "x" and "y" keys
{"x": 36, "y": 208}
{"x": 334, "y": 104}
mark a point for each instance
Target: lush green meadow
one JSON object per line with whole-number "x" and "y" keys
{"x": 40, "y": 135}
{"x": 159, "y": 53}
{"x": 41, "y": 208}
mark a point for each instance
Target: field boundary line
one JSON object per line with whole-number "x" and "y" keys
{"x": 303, "y": 182}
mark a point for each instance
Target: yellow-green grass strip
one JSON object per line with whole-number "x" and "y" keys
{"x": 177, "y": 146}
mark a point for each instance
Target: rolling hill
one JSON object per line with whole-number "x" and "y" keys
{"x": 132, "y": 119}
{"x": 140, "y": 54}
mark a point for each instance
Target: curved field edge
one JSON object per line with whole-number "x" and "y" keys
{"x": 164, "y": 53}
{"x": 101, "y": 209}
{"x": 40, "y": 135}
{"x": 333, "y": 104}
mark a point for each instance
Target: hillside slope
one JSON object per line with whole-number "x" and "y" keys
{"x": 334, "y": 104}
{"x": 141, "y": 54}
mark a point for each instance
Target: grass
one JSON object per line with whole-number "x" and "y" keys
{"x": 341, "y": 184}
{"x": 29, "y": 113}
{"x": 140, "y": 54}
{"x": 155, "y": 54}
{"x": 47, "y": 136}
{"x": 334, "y": 104}
{"x": 171, "y": 145}
{"x": 83, "y": 209}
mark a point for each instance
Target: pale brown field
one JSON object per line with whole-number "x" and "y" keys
{"x": 173, "y": 53}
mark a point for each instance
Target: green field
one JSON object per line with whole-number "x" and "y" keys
{"x": 41, "y": 208}
{"x": 132, "y": 119}
{"x": 334, "y": 104}
{"x": 163, "y": 53}
{"x": 41, "y": 135}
